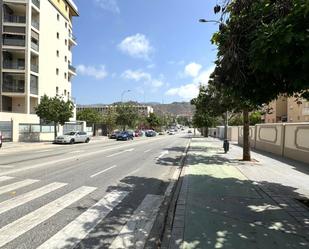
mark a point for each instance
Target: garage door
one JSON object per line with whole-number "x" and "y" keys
{"x": 6, "y": 130}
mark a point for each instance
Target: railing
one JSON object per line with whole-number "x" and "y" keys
{"x": 34, "y": 68}
{"x": 13, "y": 86}
{"x": 36, "y": 3}
{"x": 14, "y": 19}
{"x": 34, "y": 46}
{"x": 13, "y": 65}
{"x": 72, "y": 37}
{"x": 35, "y": 24}
{"x": 71, "y": 68}
{"x": 34, "y": 85}
{"x": 34, "y": 90}
{"x": 14, "y": 42}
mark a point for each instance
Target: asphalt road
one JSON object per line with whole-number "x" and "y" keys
{"x": 105, "y": 194}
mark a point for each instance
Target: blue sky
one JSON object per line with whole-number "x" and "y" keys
{"x": 155, "y": 48}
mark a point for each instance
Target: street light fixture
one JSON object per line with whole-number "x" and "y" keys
{"x": 123, "y": 93}
{"x": 226, "y": 145}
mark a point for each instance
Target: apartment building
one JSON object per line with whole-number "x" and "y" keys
{"x": 143, "y": 110}
{"x": 288, "y": 109}
{"x": 36, "y": 56}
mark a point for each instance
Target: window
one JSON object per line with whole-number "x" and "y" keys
{"x": 57, "y": 71}
{"x": 66, "y": 24}
{"x": 66, "y": 8}
{"x": 58, "y": 17}
{"x": 65, "y": 92}
{"x": 68, "y": 95}
{"x": 57, "y": 53}
{"x": 65, "y": 58}
{"x": 65, "y": 75}
{"x": 65, "y": 42}
{"x": 57, "y": 90}
{"x": 57, "y": 35}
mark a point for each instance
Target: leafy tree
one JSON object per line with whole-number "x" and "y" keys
{"x": 90, "y": 116}
{"x": 252, "y": 33}
{"x": 127, "y": 116}
{"x": 110, "y": 120}
{"x": 254, "y": 118}
{"x": 55, "y": 110}
{"x": 153, "y": 121}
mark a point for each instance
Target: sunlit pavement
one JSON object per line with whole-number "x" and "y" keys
{"x": 225, "y": 203}
{"x": 105, "y": 194}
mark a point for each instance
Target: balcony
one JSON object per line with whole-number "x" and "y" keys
{"x": 72, "y": 39}
{"x": 14, "y": 19}
{"x": 35, "y": 24}
{"x": 13, "y": 65}
{"x": 34, "y": 89}
{"x": 72, "y": 70}
{"x": 36, "y": 3}
{"x": 35, "y": 46}
{"x": 14, "y": 40}
{"x": 35, "y": 68}
{"x": 13, "y": 86}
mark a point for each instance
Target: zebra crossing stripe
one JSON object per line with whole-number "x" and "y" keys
{"x": 137, "y": 229}
{"x": 79, "y": 228}
{"x": 16, "y": 185}
{"x": 18, "y": 227}
{"x": 5, "y": 178}
{"x": 27, "y": 197}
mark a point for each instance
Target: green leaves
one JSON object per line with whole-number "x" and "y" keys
{"x": 55, "y": 110}
{"x": 90, "y": 116}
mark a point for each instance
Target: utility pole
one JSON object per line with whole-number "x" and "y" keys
{"x": 226, "y": 145}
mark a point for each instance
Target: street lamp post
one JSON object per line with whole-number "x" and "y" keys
{"x": 123, "y": 93}
{"x": 226, "y": 145}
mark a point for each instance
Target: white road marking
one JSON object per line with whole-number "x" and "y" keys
{"x": 137, "y": 229}
{"x": 146, "y": 151}
{"x": 27, "y": 197}
{"x": 120, "y": 152}
{"x": 100, "y": 172}
{"x": 6, "y": 167}
{"x": 16, "y": 185}
{"x": 72, "y": 158}
{"x": 45, "y": 150}
{"x": 31, "y": 220}
{"x": 133, "y": 172}
{"x": 163, "y": 154}
{"x": 79, "y": 228}
{"x": 75, "y": 151}
{"x": 5, "y": 178}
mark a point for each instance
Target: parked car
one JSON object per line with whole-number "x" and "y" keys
{"x": 73, "y": 137}
{"x": 189, "y": 131}
{"x": 172, "y": 132}
{"x": 1, "y": 139}
{"x": 150, "y": 133}
{"x": 125, "y": 136}
{"x": 114, "y": 134}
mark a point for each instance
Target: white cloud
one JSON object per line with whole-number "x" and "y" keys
{"x": 136, "y": 75}
{"x": 110, "y": 5}
{"x": 193, "y": 69}
{"x": 150, "y": 66}
{"x": 137, "y": 46}
{"x": 191, "y": 90}
{"x": 186, "y": 92}
{"x": 139, "y": 75}
{"x": 98, "y": 73}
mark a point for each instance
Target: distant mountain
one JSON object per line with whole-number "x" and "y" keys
{"x": 175, "y": 108}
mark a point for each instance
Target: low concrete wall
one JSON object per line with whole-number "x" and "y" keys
{"x": 290, "y": 140}
{"x": 18, "y": 118}
{"x": 296, "y": 142}
{"x": 270, "y": 138}
{"x": 232, "y": 132}
{"x": 252, "y": 135}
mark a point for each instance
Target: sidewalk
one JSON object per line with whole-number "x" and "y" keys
{"x": 227, "y": 203}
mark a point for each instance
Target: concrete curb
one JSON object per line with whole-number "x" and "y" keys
{"x": 161, "y": 232}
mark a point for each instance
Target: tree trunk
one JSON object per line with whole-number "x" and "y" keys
{"x": 55, "y": 130}
{"x": 206, "y": 132}
{"x": 246, "y": 142}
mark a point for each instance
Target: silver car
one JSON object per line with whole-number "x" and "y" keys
{"x": 73, "y": 137}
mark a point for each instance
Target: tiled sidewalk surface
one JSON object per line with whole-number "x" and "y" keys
{"x": 227, "y": 203}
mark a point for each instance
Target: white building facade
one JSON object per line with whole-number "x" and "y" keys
{"x": 36, "y": 57}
